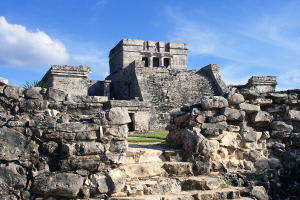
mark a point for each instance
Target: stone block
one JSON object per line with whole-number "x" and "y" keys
{"x": 15, "y": 146}
{"x": 249, "y": 108}
{"x": 33, "y": 93}
{"x": 251, "y": 136}
{"x": 65, "y": 185}
{"x": 208, "y": 103}
{"x": 281, "y": 126}
{"x": 201, "y": 183}
{"x": 56, "y": 95}
{"x": 34, "y": 105}
{"x": 249, "y": 94}
{"x": 12, "y": 91}
{"x": 233, "y": 114}
{"x": 259, "y": 192}
{"x": 119, "y": 131}
{"x": 262, "y": 101}
{"x": 12, "y": 178}
{"x": 234, "y": 98}
{"x": 99, "y": 184}
{"x": 219, "y": 118}
{"x": 229, "y": 139}
{"x": 116, "y": 116}
{"x": 278, "y": 96}
{"x": 261, "y": 118}
{"x": 3, "y": 81}
{"x": 294, "y": 115}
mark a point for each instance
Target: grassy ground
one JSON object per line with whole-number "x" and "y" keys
{"x": 154, "y": 136}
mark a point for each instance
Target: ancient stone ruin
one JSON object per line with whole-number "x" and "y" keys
{"x": 68, "y": 141}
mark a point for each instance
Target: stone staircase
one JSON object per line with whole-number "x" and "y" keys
{"x": 158, "y": 173}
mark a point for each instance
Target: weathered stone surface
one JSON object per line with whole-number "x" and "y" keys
{"x": 3, "y": 81}
{"x": 233, "y": 114}
{"x": 58, "y": 184}
{"x": 90, "y": 163}
{"x": 56, "y": 95}
{"x": 235, "y": 98}
{"x": 262, "y": 164}
{"x": 278, "y": 96}
{"x": 213, "y": 102}
{"x": 229, "y": 139}
{"x": 117, "y": 116}
{"x": 15, "y": 146}
{"x": 201, "y": 183}
{"x": 34, "y": 105}
{"x": 215, "y": 129}
{"x": 262, "y": 101}
{"x": 249, "y": 108}
{"x": 178, "y": 168}
{"x": 219, "y": 118}
{"x": 12, "y": 91}
{"x": 12, "y": 178}
{"x": 144, "y": 170}
{"x": 249, "y": 94}
{"x": 294, "y": 115}
{"x": 259, "y": 192}
{"x": 117, "y": 131}
{"x": 99, "y": 184}
{"x": 33, "y": 93}
{"x": 251, "y": 136}
{"x": 116, "y": 180}
{"x": 281, "y": 126}
{"x": 261, "y": 118}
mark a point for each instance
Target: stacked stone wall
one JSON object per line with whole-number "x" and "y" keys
{"x": 58, "y": 146}
{"x": 244, "y": 131}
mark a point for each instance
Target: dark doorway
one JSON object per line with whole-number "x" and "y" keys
{"x": 145, "y": 60}
{"x": 155, "y": 62}
{"x": 131, "y": 124}
{"x": 166, "y": 62}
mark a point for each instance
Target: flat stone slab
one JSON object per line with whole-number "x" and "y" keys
{"x": 3, "y": 81}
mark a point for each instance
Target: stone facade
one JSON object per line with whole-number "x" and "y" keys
{"x": 165, "y": 89}
{"x": 56, "y": 146}
{"x": 152, "y": 54}
{"x": 74, "y": 81}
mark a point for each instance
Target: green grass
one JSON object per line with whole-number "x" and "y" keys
{"x": 154, "y": 136}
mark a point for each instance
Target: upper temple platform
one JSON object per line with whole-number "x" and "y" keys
{"x": 153, "y": 54}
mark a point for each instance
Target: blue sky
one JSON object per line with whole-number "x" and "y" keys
{"x": 253, "y": 37}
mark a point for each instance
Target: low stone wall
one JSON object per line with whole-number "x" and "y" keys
{"x": 244, "y": 131}
{"x": 54, "y": 145}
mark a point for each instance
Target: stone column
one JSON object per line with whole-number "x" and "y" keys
{"x": 107, "y": 88}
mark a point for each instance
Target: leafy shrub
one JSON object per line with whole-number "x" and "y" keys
{"x": 35, "y": 84}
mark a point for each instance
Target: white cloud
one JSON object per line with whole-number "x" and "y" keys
{"x": 22, "y": 48}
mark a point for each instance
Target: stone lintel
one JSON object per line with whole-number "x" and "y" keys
{"x": 262, "y": 80}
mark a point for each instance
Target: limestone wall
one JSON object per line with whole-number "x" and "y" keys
{"x": 52, "y": 145}
{"x": 248, "y": 132}
{"x": 165, "y": 89}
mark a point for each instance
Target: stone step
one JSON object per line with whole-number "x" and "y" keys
{"x": 163, "y": 185}
{"x": 142, "y": 170}
{"x": 218, "y": 194}
{"x": 202, "y": 183}
{"x": 152, "y": 153}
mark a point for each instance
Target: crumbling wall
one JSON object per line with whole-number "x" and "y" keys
{"x": 55, "y": 145}
{"x": 251, "y": 132}
{"x": 165, "y": 89}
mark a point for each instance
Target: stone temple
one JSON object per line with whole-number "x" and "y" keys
{"x": 150, "y": 79}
